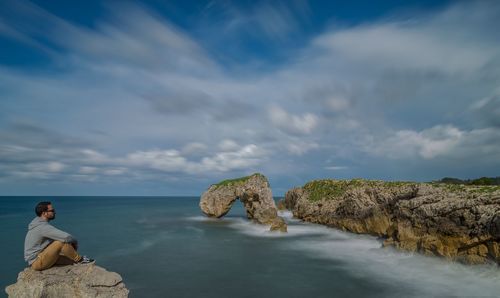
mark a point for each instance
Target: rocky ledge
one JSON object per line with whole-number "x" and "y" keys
{"x": 255, "y": 194}
{"x": 79, "y": 280}
{"x": 457, "y": 222}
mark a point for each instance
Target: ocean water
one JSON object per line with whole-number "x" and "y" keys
{"x": 165, "y": 247}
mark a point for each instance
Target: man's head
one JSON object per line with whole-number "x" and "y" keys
{"x": 45, "y": 210}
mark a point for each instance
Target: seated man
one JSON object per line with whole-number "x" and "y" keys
{"x": 46, "y": 246}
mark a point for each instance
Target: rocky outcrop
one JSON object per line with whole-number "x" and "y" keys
{"x": 79, "y": 280}
{"x": 255, "y": 194}
{"x": 457, "y": 222}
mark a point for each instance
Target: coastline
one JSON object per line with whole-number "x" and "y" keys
{"x": 458, "y": 223}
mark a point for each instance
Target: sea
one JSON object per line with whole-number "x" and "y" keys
{"x": 166, "y": 247}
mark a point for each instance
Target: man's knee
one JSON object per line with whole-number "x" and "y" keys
{"x": 37, "y": 265}
{"x": 48, "y": 257}
{"x": 57, "y": 243}
{"x": 68, "y": 246}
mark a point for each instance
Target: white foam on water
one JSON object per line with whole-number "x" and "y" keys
{"x": 363, "y": 256}
{"x": 295, "y": 229}
{"x": 200, "y": 218}
{"x": 287, "y": 215}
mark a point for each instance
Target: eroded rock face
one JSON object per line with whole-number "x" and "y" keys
{"x": 255, "y": 194}
{"x": 79, "y": 280}
{"x": 456, "y": 222}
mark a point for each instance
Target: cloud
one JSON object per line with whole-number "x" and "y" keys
{"x": 25, "y": 134}
{"x": 228, "y": 145}
{"x": 439, "y": 141}
{"x": 338, "y": 104}
{"x": 291, "y": 123}
{"x": 428, "y": 144}
{"x": 87, "y": 170}
{"x": 165, "y": 160}
{"x": 168, "y": 103}
{"x": 194, "y": 148}
{"x": 300, "y": 148}
{"x": 137, "y": 36}
{"x": 247, "y": 157}
{"x": 239, "y": 158}
{"x": 179, "y": 102}
{"x": 419, "y": 44}
{"x": 488, "y": 110}
{"x": 336, "y": 168}
{"x": 134, "y": 36}
{"x": 276, "y": 21}
{"x": 34, "y": 170}
{"x": 232, "y": 111}
{"x": 11, "y": 32}
{"x": 89, "y": 163}
{"x": 93, "y": 157}
{"x": 48, "y": 167}
{"x": 55, "y": 166}
{"x": 115, "y": 171}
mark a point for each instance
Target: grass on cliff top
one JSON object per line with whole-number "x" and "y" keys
{"x": 471, "y": 188}
{"x": 331, "y": 189}
{"x": 483, "y": 185}
{"x": 485, "y": 189}
{"x": 237, "y": 181}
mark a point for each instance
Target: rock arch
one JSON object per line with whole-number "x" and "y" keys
{"x": 255, "y": 194}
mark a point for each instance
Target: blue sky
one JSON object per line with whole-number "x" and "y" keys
{"x": 167, "y": 97}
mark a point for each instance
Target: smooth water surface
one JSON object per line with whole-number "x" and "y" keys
{"x": 164, "y": 246}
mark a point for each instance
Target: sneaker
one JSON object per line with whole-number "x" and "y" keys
{"x": 85, "y": 260}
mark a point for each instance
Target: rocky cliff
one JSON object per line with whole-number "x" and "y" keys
{"x": 457, "y": 222}
{"x": 79, "y": 280}
{"x": 255, "y": 194}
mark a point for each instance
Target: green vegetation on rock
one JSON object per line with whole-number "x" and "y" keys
{"x": 477, "y": 186}
{"x": 330, "y": 189}
{"x": 238, "y": 181}
{"x": 325, "y": 189}
{"x": 397, "y": 183}
{"x": 451, "y": 187}
{"x": 486, "y": 189}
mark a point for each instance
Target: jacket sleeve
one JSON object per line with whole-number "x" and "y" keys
{"x": 52, "y": 233}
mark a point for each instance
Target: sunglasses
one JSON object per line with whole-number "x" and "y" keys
{"x": 53, "y": 210}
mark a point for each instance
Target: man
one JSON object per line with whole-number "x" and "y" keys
{"x": 46, "y": 246}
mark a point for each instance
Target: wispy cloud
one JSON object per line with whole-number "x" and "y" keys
{"x": 265, "y": 20}
{"x": 336, "y": 168}
{"x": 439, "y": 141}
{"x": 292, "y": 123}
{"x": 164, "y": 105}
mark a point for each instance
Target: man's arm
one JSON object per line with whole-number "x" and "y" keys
{"x": 52, "y": 233}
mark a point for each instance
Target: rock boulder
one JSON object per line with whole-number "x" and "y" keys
{"x": 456, "y": 222}
{"x": 255, "y": 194}
{"x": 79, "y": 280}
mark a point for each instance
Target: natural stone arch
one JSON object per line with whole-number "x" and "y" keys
{"x": 255, "y": 194}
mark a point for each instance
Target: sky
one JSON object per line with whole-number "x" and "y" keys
{"x": 168, "y": 97}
